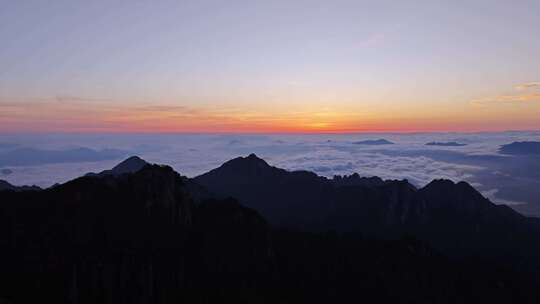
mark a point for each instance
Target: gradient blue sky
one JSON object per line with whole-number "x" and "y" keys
{"x": 267, "y": 66}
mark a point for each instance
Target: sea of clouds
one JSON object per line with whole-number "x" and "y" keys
{"x": 44, "y": 160}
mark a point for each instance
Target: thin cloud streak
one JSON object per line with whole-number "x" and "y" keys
{"x": 512, "y": 98}
{"x": 508, "y": 98}
{"x": 528, "y": 85}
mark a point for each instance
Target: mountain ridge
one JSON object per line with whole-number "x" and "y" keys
{"x": 140, "y": 237}
{"x": 373, "y": 207}
{"x": 4, "y": 186}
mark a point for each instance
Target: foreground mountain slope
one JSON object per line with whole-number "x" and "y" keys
{"x": 141, "y": 238}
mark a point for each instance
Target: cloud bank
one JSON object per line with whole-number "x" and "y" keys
{"x": 505, "y": 179}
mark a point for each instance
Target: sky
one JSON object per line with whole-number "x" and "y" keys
{"x": 269, "y": 66}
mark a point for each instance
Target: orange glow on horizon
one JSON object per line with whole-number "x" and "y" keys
{"x": 40, "y": 116}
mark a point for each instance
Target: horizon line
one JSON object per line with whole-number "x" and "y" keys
{"x": 263, "y": 132}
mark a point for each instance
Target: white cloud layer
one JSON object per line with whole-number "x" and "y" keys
{"x": 409, "y": 158}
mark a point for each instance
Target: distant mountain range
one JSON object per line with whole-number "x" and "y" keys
{"x": 521, "y": 148}
{"x": 445, "y": 144}
{"x": 374, "y": 142}
{"x": 249, "y": 232}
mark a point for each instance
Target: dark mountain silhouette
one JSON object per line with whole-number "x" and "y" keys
{"x": 445, "y": 144}
{"x": 4, "y": 186}
{"x": 356, "y": 180}
{"x": 452, "y": 216}
{"x": 141, "y": 237}
{"x": 521, "y": 148}
{"x": 258, "y": 185}
{"x": 130, "y": 165}
{"x": 374, "y": 142}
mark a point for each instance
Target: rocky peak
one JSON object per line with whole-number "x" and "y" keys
{"x": 130, "y": 165}
{"x": 460, "y": 197}
{"x": 251, "y": 161}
